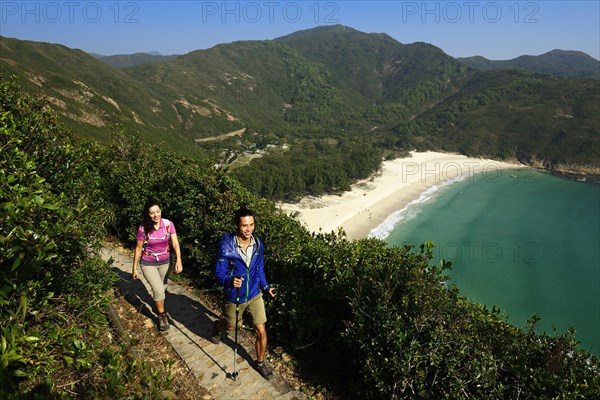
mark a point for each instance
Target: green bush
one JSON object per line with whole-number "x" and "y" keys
{"x": 54, "y": 288}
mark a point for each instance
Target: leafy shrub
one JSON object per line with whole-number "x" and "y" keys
{"x": 54, "y": 289}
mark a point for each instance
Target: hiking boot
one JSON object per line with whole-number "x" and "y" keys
{"x": 215, "y": 335}
{"x": 163, "y": 322}
{"x": 264, "y": 370}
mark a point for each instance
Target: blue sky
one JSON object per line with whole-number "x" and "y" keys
{"x": 497, "y": 30}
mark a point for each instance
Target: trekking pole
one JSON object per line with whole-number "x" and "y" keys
{"x": 234, "y": 375}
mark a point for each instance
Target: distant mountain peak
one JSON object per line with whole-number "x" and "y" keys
{"x": 574, "y": 53}
{"x": 129, "y": 60}
{"x": 318, "y": 30}
{"x": 556, "y": 62}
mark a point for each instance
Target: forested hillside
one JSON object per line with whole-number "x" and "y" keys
{"x": 573, "y": 64}
{"x": 375, "y": 67}
{"x": 361, "y": 319}
{"x": 245, "y": 104}
{"x": 493, "y": 116}
{"x": 129, "y": 60}
{"x": 312, "y": 167}
{"x": 92, "y": 97}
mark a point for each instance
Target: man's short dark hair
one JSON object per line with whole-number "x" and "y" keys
{"x": 242, "y": 212}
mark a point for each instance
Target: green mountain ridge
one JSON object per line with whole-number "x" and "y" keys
{"x": 93, "y": 97}
{"x": 566, "y": 63}
{"x": 494, "y": 112}
{"x": 130, "y": 60}
{"x": 374, "y": 65}
{"x": 331, "y": 84}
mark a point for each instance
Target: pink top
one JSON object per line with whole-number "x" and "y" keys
{"x": 157, "y": 248}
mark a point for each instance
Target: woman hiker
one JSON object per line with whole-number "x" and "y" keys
{"x": 153, "y": 256}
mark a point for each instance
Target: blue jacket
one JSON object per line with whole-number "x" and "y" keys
{"x": 230, "y": 264}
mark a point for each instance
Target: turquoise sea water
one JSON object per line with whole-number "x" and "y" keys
{"x": 525, "y": 241}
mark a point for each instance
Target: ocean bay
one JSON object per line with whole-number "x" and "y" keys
{"x": 522, "y": 240}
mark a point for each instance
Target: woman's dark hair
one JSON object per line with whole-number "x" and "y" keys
{"x": 146, "y": 221}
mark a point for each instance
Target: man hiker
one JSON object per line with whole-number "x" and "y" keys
{"x": 240, "y": 270}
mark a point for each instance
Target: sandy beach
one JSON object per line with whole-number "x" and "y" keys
{"x": 399, "y": 182}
